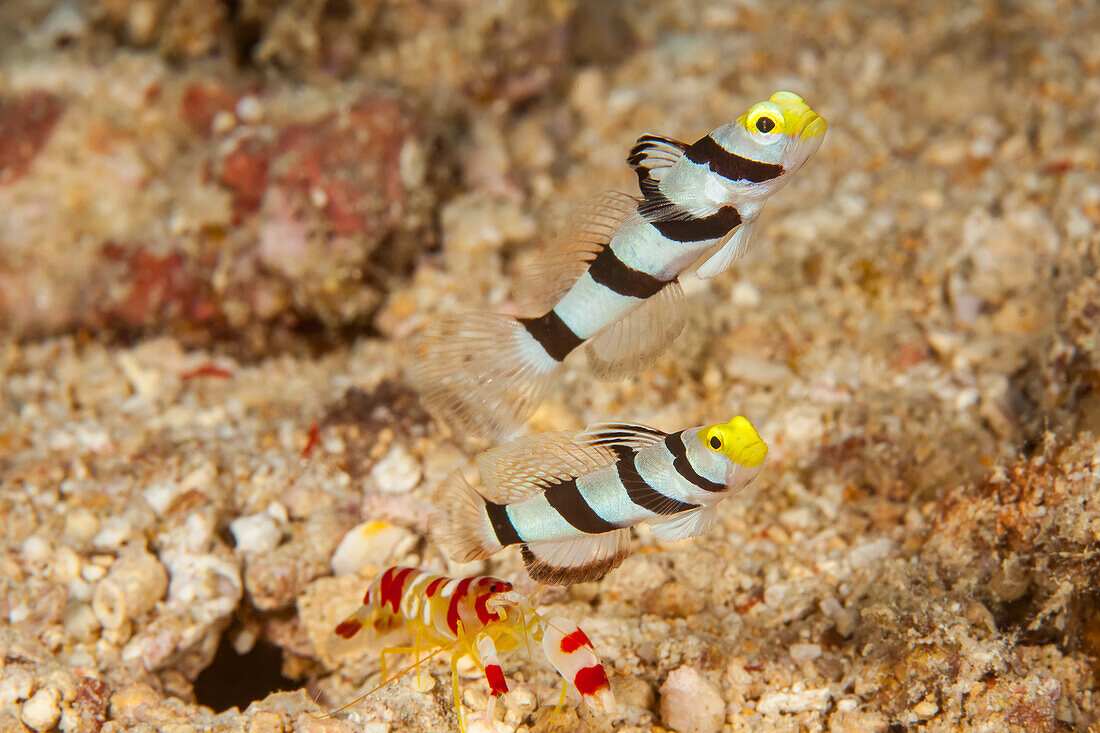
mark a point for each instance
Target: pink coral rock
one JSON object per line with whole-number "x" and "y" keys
{"x": 690, "y": 703}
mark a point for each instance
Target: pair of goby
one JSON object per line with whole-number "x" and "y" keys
{"x": 609, "y": 283}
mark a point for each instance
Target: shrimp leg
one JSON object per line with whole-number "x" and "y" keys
{"x": 415, "y": 650}
{"x": 418, "y": 636}
{"x": 454, "y": 687}
{"x": 489, "y": 663}
{"x": 571, "y": 653}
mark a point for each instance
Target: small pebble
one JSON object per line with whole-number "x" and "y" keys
{"x": 845, "y": 619}
{"x": 926, "y": 708}
{"x": 113, "y": 535}
{"x": 412, "y": 164}
{"x": 632, "y": 692}
{"x": 79, "y": 621}
{"x": 36, "y": 549}
{"x": 80, "y": 589}
{"x": 223, "y": 122}
{"x": 66, "y": 565}
{"x": 256, "y": 533}
{"x": 805, "y": 652}
{"x": 93, "y": 573}
{"x": 42, "y": 711}
{"x": 64, "y": 681}
{"x": 127, "y": 701}
{"x": 250, "y": 110}
{"x": 869, "y": 552}
{"x": 397, "y": 472}
{"x": 690, "y": 703}
{"x": 278, "y": 512}
{"x": 795, "y": 701}
{"x": 15, "y": 685}
{"x": 265, "y": 721}
{"x": 160, "y": 496}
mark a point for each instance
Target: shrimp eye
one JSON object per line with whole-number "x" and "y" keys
{"x": 715, "y": 443}
{"x": 493, "y": 588}
{"x": 765, "y": 124}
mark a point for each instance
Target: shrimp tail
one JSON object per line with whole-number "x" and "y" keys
{"x": 351, "y": 626}
{"x": 481, "y": 373}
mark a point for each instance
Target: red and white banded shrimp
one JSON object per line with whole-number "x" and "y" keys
{"x": 476, "y": 617}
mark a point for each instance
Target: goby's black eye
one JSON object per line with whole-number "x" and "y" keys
{"x": 715, "y": 443}
{"x": 765, "y": 124}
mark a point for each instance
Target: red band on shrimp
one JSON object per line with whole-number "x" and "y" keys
{"x": 452, "y": 610}
{"x": 574, "y": 641}
{"x": 591, "y": 680}
{"x": 495, "y": 676}
{"x": 349, "y": 628}
{"x": 434, "y": 586}
{"x": 392, "y": 586}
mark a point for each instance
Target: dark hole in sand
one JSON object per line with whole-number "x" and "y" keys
{"x": 240, "y": 679}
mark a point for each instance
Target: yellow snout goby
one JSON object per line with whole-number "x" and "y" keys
{"x": 569, "y": 500}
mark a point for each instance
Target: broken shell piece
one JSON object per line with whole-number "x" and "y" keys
{"x": 371, "y": 544}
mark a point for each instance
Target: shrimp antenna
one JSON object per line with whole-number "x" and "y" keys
{"x": 365, "y": 695}
{"x": 531, "y": 603}
{"x": 527, "y": 632}
{"x": 531, "y": 600}
{"x": 536, "y": 593}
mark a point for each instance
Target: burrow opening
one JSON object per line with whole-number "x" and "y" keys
{"x": 238, "y": 680}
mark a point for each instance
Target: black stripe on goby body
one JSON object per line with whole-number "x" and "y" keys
{"x": 707, "y": 151}
{"x": 567, "y": 500}
{"x": 502, "y": 524}
{"x": 553, "y": 335}
{"x": 611, "y": 272}
{"x": 698, "y": 229}
{"x": 640, "y": 491}
{"x": 677, "y": 225}
{"x": 675, "y": 444}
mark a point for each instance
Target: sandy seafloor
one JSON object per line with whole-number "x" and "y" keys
{"x": 221, "y": 222}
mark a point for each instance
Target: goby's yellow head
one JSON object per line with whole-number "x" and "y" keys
{"x": 784, "y": 113}
{"x": 737, "y": 440}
